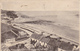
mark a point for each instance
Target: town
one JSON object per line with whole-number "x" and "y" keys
{"x": 17, "y": 37}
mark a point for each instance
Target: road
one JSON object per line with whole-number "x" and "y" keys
{"x": 55, "y": 30}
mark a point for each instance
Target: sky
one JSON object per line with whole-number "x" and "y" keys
{"x": 40, "y": 5}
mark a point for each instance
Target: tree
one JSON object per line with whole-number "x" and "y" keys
{"x": 11, "y": 14}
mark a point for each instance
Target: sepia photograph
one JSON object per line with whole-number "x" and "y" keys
{"x": 39, "y": 30}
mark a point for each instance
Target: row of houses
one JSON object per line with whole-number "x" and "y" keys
{"x": 55, "y": 44}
